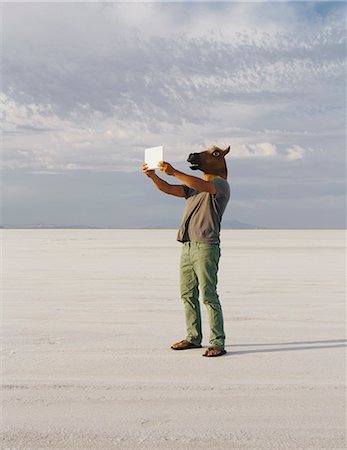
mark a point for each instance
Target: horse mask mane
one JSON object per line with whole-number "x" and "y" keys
{"x": 211, "y": 161}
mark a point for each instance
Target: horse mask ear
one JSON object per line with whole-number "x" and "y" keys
{"x": 226, "y": 151}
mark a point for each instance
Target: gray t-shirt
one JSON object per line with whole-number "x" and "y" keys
{"x": 203, "y": 212}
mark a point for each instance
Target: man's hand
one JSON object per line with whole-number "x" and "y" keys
{"x": 166, "y": 168}
{"x": 147, "y": 171}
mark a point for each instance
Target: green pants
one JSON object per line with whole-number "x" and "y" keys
{"x": 198, "y": 271}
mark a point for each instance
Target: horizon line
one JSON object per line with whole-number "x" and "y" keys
{"x": 62, "y": 227}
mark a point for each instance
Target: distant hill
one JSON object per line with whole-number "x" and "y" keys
{"x": 45, "y": 226}
{"x": 235, "y": 224}
{"x": 227, "y": 224}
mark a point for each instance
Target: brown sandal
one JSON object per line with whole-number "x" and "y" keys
{"x": 183, "y": 345}
{"x": 222, "y": 351}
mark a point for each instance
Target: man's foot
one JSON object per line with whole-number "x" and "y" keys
{"x": 183, "y": 345}
{"x": 214, "y": 351}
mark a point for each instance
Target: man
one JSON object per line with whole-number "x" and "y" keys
{"x": 199, "y": 232}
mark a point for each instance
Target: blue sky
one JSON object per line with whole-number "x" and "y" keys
{"x": 87, "y": 86}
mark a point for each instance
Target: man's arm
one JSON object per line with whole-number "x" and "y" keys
{"x": 171, "y": 189}
{"x": 195, "y": 183}
{"x": 162, "y": 185}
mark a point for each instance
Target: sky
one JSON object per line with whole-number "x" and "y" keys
{"x": 87, "y": 86}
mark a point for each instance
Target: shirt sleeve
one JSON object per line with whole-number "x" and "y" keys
{"x": 222, "y": 187}
{"x": 188, "y": 191}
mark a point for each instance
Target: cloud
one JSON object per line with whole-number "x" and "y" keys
{"x": 87, "y": 86}
{"x": 294, "y": 153}
{"x": 54, "y": 143}
{"x": 262, "y": 149}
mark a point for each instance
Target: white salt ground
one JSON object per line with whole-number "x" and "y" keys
{"x": 89, "y": 317}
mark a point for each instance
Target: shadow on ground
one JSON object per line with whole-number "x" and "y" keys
{"x": 337, "y": 342}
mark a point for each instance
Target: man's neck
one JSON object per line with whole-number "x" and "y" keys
{"x": 209, "y": 177}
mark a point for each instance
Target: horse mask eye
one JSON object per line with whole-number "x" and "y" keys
{"x": 216, "y": 153}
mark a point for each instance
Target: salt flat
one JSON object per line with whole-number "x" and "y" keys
{"x": 89, "y": 317}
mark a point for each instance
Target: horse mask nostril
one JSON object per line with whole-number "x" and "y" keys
{"x": 193, "y": 157}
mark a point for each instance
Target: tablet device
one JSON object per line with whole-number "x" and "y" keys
{"x": 153, "y": 155}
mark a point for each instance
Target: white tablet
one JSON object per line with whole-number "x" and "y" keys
{"x": 153, "y": 155}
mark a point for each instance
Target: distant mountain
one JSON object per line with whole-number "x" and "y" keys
{"x": 227, "y": 224}
{"x": 235, "y": 224}
{"x": 45, "y": 226}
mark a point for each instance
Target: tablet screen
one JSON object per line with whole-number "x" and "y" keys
{"x": 153, "y": 155}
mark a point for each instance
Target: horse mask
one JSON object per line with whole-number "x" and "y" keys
{"x": 211, "y": 161}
